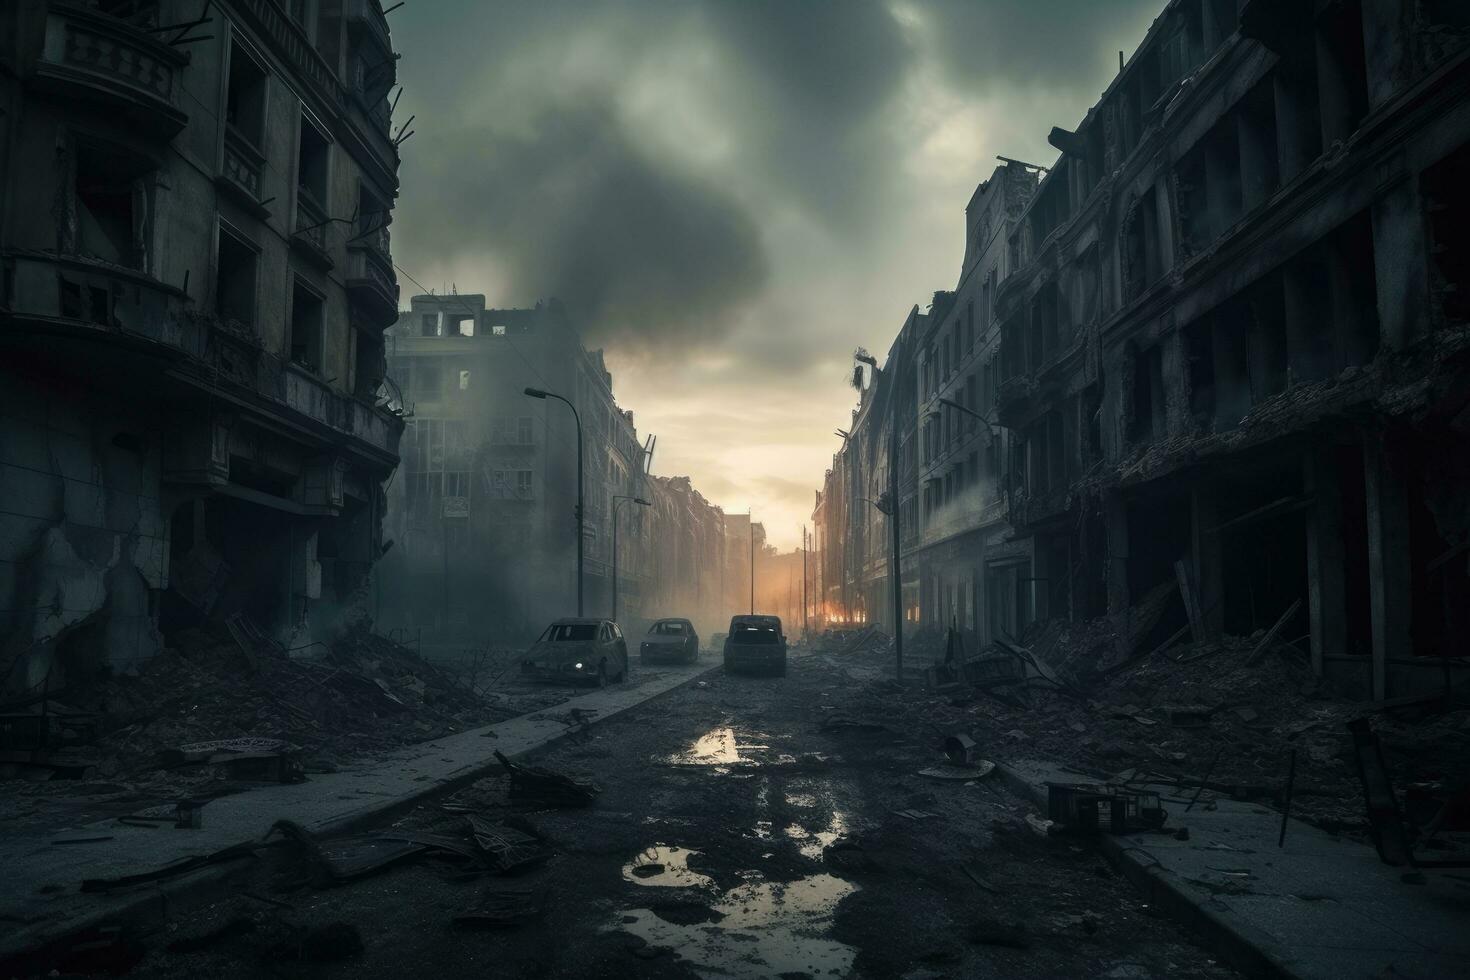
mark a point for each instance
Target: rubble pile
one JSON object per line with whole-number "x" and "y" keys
{"x": 1217, "y": 713}
{"x": 363, "y": 695}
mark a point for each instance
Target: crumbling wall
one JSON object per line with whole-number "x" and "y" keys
{"x": 82, "y": 543}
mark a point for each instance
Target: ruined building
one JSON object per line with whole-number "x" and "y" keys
{"x": 1231, "y": 378}
{"x": 481, "y": 512}
{"x": 1236, "y": 348}
{"x": 953, "y": 468}
{"x": 686, "y": 541}
{"x": 194, "y": 281}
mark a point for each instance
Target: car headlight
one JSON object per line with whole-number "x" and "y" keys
{"x": 579, "y": 667}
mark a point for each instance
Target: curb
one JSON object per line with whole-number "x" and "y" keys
{"x": 147, "y": 907}
{"x": 1252, "y": 954}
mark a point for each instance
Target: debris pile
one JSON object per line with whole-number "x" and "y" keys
{"x": 192, "y": 705}
{"x": 1223, "y": 715}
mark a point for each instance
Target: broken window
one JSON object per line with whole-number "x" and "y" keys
{"x": 1342, "y": 70}
{"x": 1199, "y": 351}
{"x": 311, "y": 165}
{"x": 307, "y": 327}
{"x": 1256, "y": 134}
{"x": 112, "y": 206}
{"x": 245, "y": 96}
{"x": 369, "y": 365}
{"x": 1267, "y": 338}
{"x": 1447, "y": 203}
{"x": 464, "y": 326}
{"x": 1148, "y": 394}
{"x": 234, "y": 288}
{"x": 498, "y": 330}
{"x": 429, "y": 381}
{"x": 430, "y": 326}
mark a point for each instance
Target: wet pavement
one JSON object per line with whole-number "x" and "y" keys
{"x": 736, "y": 838}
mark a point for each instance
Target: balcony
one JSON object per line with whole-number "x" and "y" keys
{"x": 240, "y": 173}
{"x": 103, "y": 60}
{"x": 371, "y": 284}
{"x": 85, "y": 297}
{"x": 366, "y": 17}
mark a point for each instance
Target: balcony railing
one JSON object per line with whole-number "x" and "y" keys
{"x": 240, "y": 171}
{"x": 109, "y": 304}
{"x": 371, "y": 283}
{"x": 103, "y": 59}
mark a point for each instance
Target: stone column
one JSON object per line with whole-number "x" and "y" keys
{"x": 1209, "y": 573}
{"x": 1401, "y": 265}
{"x": 1115, "y": 513}
{"x": 1388, "y": 560}
{"x": 1386, "y": 48}
{"x": 1326, "y": 556}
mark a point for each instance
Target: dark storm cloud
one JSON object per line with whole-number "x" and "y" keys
{"x": 571, "y": 207}
{"x": 1055, "y": 45}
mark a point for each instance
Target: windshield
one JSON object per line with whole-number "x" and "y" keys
{"x": 755, "y": 634}
{"x": 668, "y": 629}
{"x": 569, "y": 633}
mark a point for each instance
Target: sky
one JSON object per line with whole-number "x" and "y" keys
{"x": 730, "y": 195}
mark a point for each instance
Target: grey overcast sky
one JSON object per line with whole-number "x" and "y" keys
{"x": 731, "y": 195}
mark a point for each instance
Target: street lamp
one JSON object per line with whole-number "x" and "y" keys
{"x": 989, "y": 425}
{"x": 617, "y": 499}
{"x": 538, "y": 393}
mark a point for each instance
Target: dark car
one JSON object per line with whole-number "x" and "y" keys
{"x": 756, "y": 643}
{"x": 670, "y": 641}
{"x": 578, "y": 650}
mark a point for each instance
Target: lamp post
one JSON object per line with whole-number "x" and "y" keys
{"x": 538, "y": 393}
{"x": 618, "y": 499}
{"x": 989, "y": 425}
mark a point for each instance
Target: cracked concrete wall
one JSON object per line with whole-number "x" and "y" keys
{"x": 83, "y": 546}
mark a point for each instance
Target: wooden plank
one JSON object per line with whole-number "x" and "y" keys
{"x": 1270, "y": 637}
{"x": 1191, "y": 600}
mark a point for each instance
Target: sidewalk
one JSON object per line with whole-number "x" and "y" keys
{"x": 1320, "y": 907}
{"x": 41, "y": 901}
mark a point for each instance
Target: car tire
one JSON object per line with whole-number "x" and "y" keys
{"x": 602, "y": 674}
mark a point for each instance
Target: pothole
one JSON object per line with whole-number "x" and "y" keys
{"x": 666, "y": 866}
{"x": 756, "y": 929}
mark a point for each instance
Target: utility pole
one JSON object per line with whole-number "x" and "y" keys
{"x": 893, "y": 560}
{"x": 805, "y": 605}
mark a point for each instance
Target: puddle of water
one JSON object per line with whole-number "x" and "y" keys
{"x": 665, "y": 866}
{"x": 721, "y": 748}
{"x": 811, "y": 844}
{"x": 713, "y": 748}
{"x": 763, "y": 929}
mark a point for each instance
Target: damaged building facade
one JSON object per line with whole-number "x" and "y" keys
{"x": 1230, "y": 385}
{"x": 931, "y": 403}
{"x": 481, "y": 511}
{"x": 1235, "y": 351}
{"x": 194, "y": 283}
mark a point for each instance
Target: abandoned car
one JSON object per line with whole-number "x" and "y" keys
{"x": 756, "y": 643}
{"x": 578, "y": 650}
{"x": 670, "y": 641}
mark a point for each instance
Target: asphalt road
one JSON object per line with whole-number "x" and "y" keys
{"x": 704, "y": 856}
